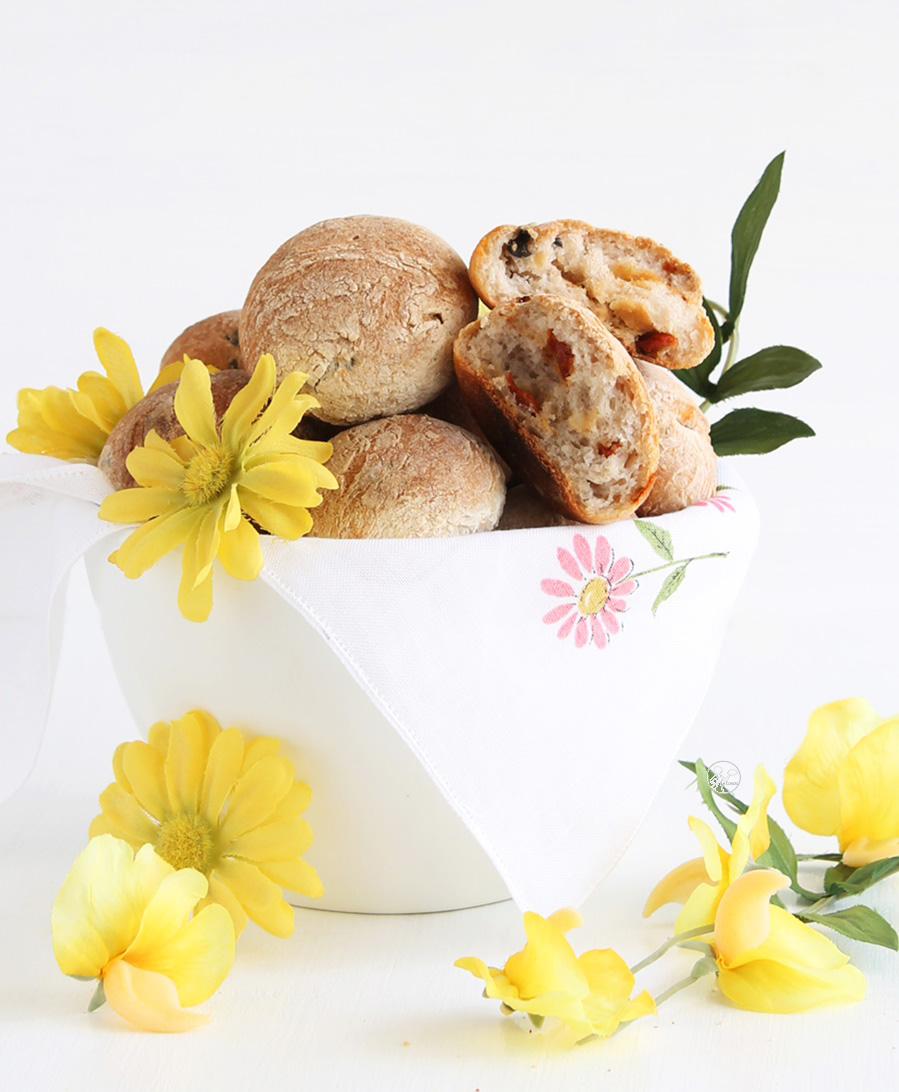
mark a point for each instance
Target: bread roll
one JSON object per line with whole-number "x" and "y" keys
{"x": 688, "y": 466}
{"x": 649, "y": 300}
{"x": 564, "y": 405}
{"x": 409, "y": 476}
{"x": 214, "y": 340}
{"x": 157, "y": 411}
{"x": 368, "y": 307}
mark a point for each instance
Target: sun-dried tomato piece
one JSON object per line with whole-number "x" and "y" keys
{"x": 654, "y": 341}
{"x": 524, "y": 398}
{"x": 561, "y": 353}
{"x": 608, "y": 449}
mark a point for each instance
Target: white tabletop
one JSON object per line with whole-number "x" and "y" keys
{"x": 154, "y": 159}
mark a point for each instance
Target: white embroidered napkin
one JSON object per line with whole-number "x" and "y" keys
{"x": 533, "y": 673}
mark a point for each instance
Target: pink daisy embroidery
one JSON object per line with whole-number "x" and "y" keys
{"x": 718, "y": 502}
{"x": 595, "y": 594}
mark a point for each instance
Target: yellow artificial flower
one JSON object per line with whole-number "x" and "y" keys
{"x": 768, "y": 960}
{"x": 209, "y": 800}
{"x": 199, "y": 490}
{"x": 590, "y": 993}
{"x": 74, "y": 424}
{"x": 843, "y": 780}
{"x": 125, "y": 919}
{"x": 700, "y": 884}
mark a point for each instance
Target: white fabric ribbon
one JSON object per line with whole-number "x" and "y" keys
{"x": 544, "y": 678}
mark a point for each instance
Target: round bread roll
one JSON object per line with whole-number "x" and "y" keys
{"x": 214, "y": 340}
{"x": 564, "y": 405}
{"x": 368, "y": 307}
{"x": 688, "y": 466}
{"x": 649, "y": 300}
{"x": 157, "y": 411}
{"x": 450, "y": 406}
{"x": 410, "y": 476}
{"x": 524, "y": 509}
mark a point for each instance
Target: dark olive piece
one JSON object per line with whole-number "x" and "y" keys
{"x": 520, "y": 246}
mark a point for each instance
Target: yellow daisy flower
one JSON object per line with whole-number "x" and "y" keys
{"x": 209, "y": 800}
{"x": 199, "y": 490}
{"x": 74, "y": 424}
{"x": 126, "y": 919}
{"x": 591, "y": 993}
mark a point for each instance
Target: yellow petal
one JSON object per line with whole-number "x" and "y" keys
{"x": 294, "y": 803}
{"x": 246, "y": 406}
{"x": 794, "y": 944}
{"x": 255, "y": 796}
{"x": 240, "y": 552}
{"x": 194, "y": 592}
{"x": 138, "y": 504}
{"x": 296, "y": 876}
{"x": 257, "y": 749}
{"x": 811, "y": 791}
{"x": 222, "y": 895}
{"x": 743, "y": 921}
{"x": 117, "y": 359}
{"x": 754, "y": 822}
{"x": 195, "y": 953}
{"x": 147, "y": 999}
{"x": 222, "y": 771}
{"x": 869, "y": 787}
{"x": 678, "y": 885}
{"x": 193, "y": 405}
{"x": 152, "y": 468}
{"x": 764, "y": 986}
{"x": 145, "y": 546}
{"x": 126, "y": 818}
{"x": 281, "y": 482}
{"x": 281, "y": 520}
{"x": 273, "y": 841}
{"x": 546, "y": 964}
{"x": 259, "y": 896}
{"x": 863, "y": 851}
{"x": 145, "y": 768}
{"x": 609, "y": 1002}
{"x": 711, "y": 851}
{"x": 98, "y": 399}
{"x": 97, "y": 912}
{"x": 185, "y": 765}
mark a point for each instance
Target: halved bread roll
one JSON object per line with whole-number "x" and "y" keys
{"x": 688, "y": 466}
{"x": 649, "y": 300}
{"x": 564, "y": 405}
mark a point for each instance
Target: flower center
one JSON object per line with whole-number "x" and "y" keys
{"x": 186, "y": 842}
{"x": 207, "y": 476}
{"x": 593, "y": 598}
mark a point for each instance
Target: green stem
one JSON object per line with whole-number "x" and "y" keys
{"x": 671, "y": 564}
{"x": 722, "y": 311}
{"x": 819, "y": 856}
{"x": 672, "y": 990}
{"x": 671, "y": 942}
{"x": 732, "y": 347}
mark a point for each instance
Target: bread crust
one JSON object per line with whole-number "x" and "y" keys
{"x": 688, "y": 466}
{"x": 410, "y": 476}
{"x": 214, "y": 340}
{"x": 368, "y": 307}
{"x": 530, "y": 455}
{"x": 649, "y": 299}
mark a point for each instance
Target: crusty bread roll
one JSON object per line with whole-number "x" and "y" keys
{"x": 564, "y": 405}
{"x": 368, "y": 307}
{"x": 524, "y": 509}
{"x": 409, "y": 476}
{"x": 214, "y": 340}
{"x": 649, "y": 300}
{"x": 688, "y": 465}
{"x": 157, "y": 411}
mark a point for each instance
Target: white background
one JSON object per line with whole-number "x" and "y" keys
{"x": 154, "y": 155}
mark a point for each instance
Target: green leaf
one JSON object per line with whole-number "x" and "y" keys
{"x": 672, "y": 582}
{"x": 780, "y": 853}
{"x": 98, "y": 999}
{"x": 858, "y": 923}
{"x": 708, "y": 798}
{"x": 843, "y": 880}
{"x": 657, "y": 537}
{"x": 746, "y": 236}
{"x": 698, "y": 378}
{"x": 756, "y": 432}
{"x": 774, "y": 368}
